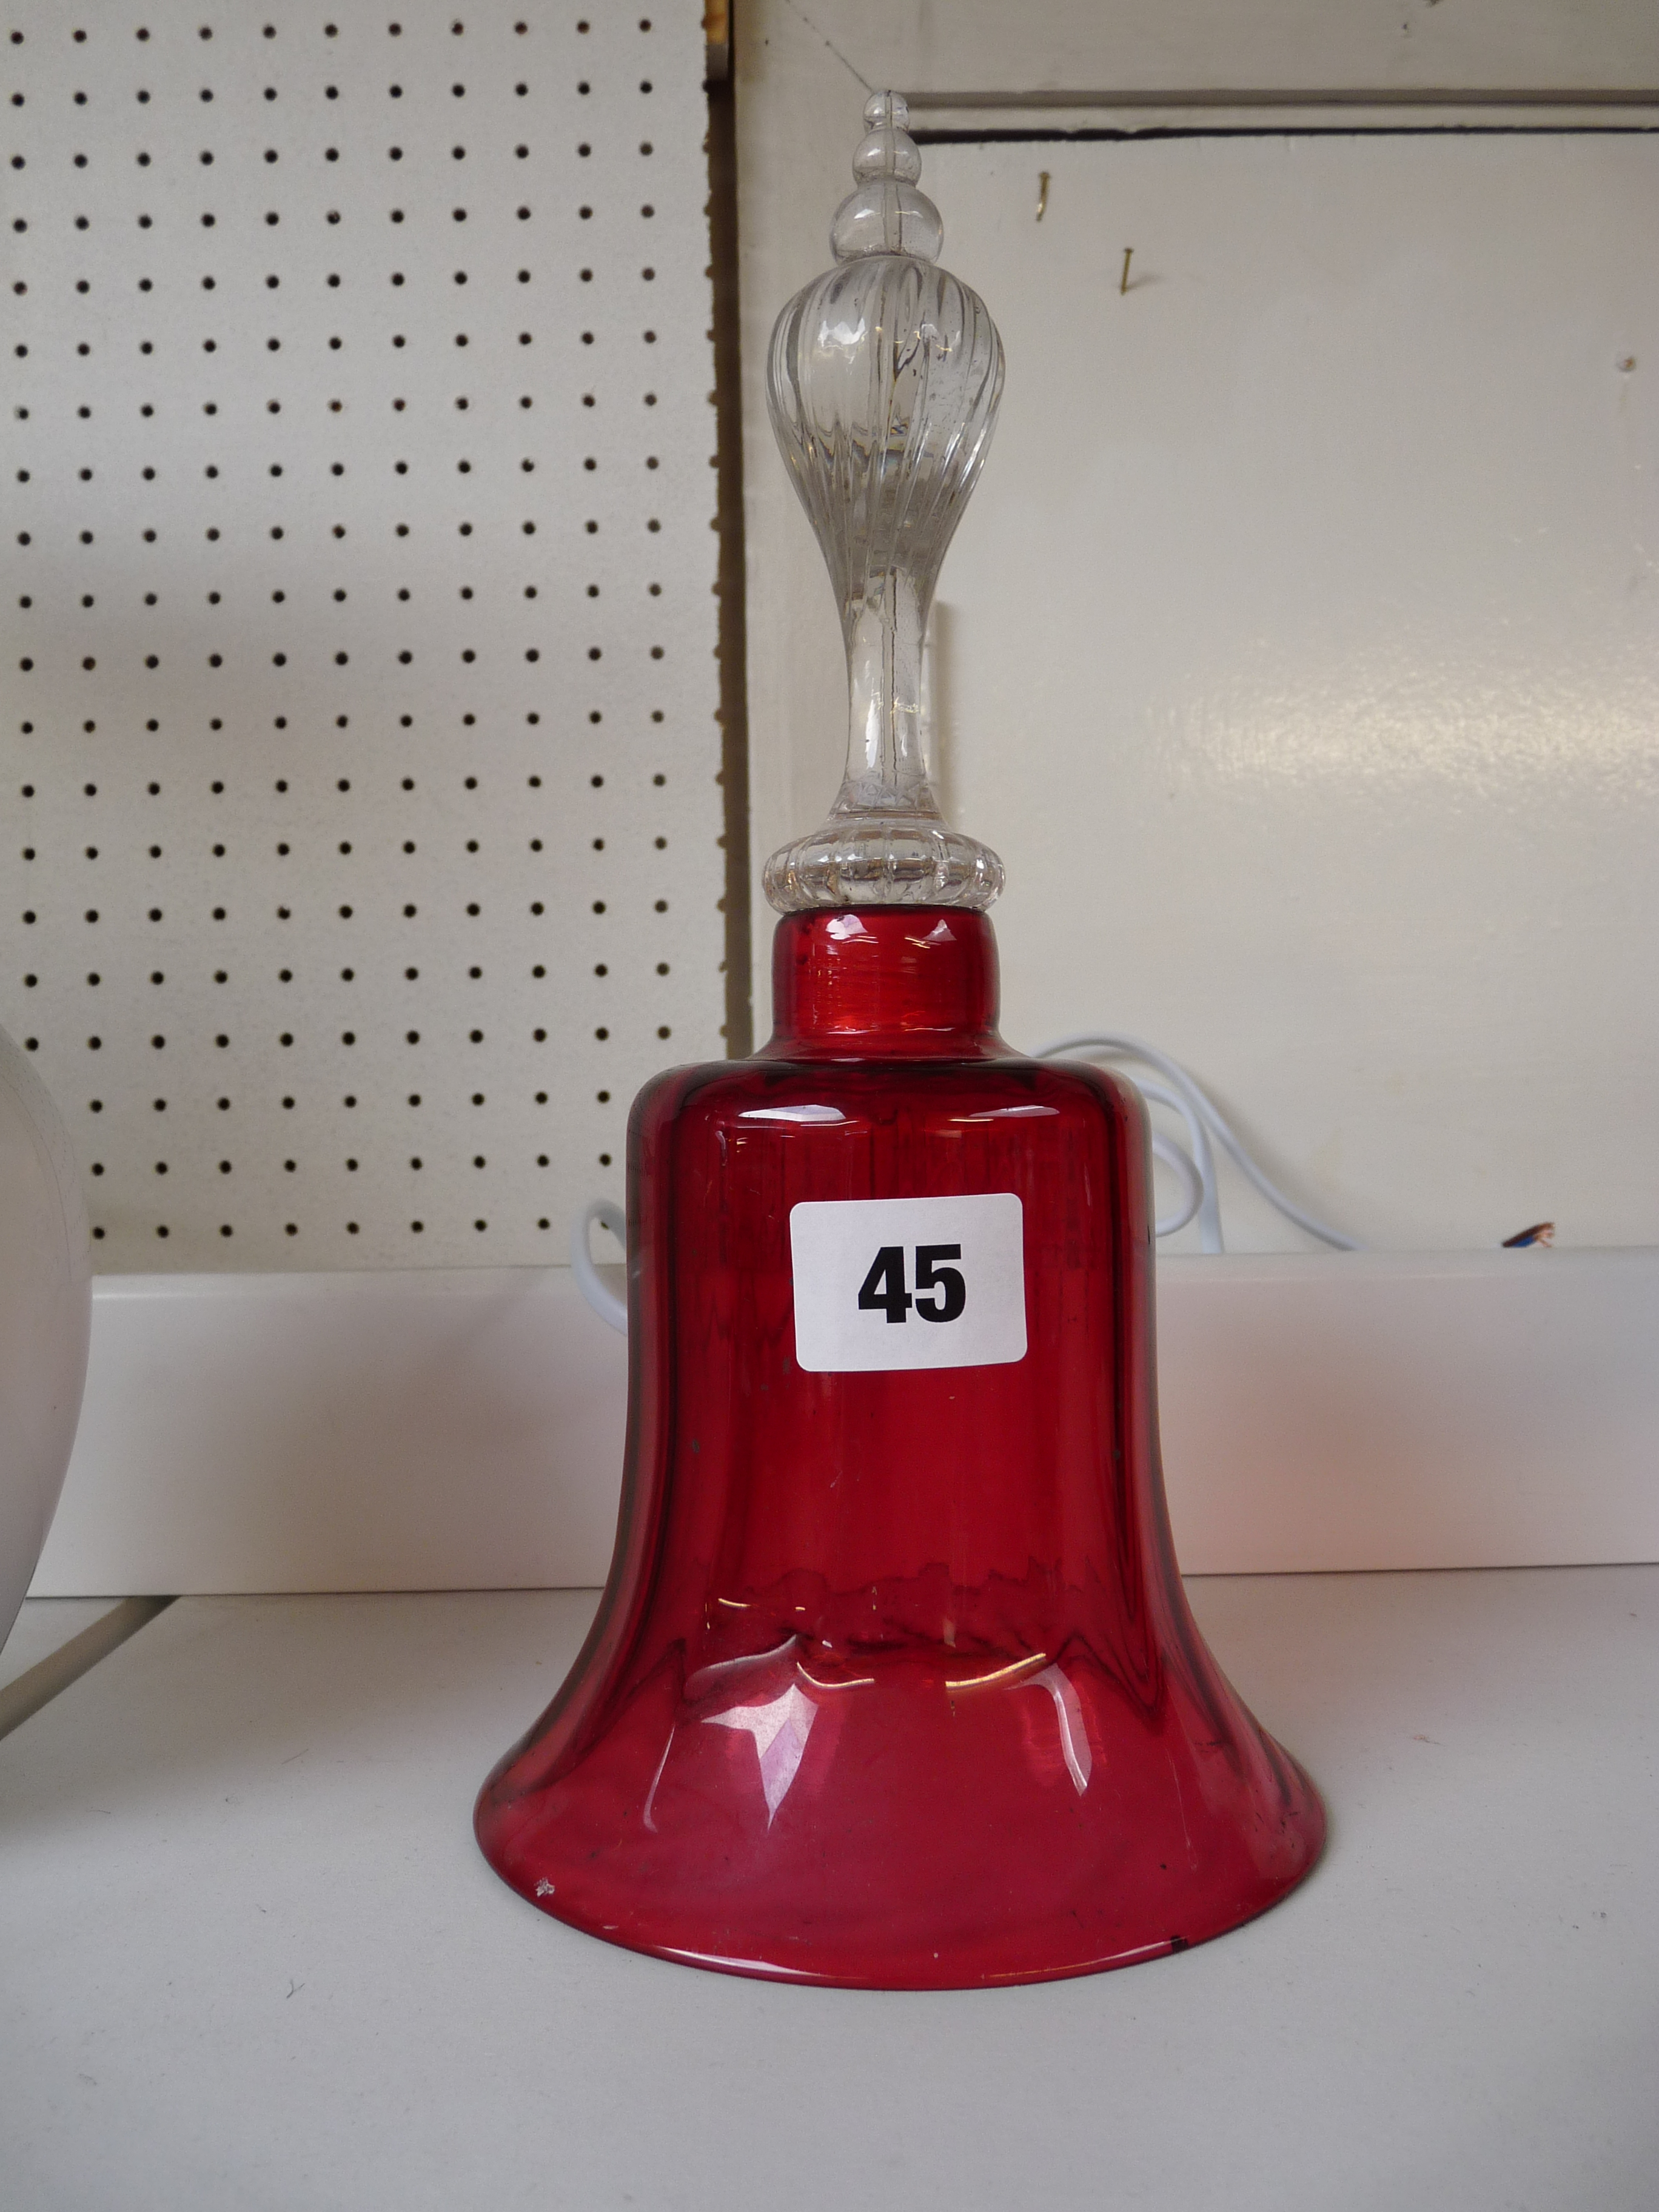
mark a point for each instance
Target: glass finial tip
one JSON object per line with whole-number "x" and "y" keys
{"x": 886, "y": 214}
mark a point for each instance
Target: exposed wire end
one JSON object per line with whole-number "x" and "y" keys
{"x": 1541, "y": 1232}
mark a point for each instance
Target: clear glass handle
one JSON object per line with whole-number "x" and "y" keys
{"x": 884, "y": 382}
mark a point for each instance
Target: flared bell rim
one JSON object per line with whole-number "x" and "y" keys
{"x": 1047, "y": 1963}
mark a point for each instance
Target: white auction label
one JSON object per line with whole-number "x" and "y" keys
{"x": 908, "y": 1282}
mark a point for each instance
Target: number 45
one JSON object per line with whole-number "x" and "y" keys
{"x": 883, "y": 1289}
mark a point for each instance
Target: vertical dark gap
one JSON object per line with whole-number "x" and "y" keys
{"x": 728, "y": 429}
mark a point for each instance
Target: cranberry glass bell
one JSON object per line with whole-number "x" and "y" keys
{"x": 894, "y": 1682}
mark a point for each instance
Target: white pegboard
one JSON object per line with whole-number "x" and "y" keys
{"x": 358, "y": 612}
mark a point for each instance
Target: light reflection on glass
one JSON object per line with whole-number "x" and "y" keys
{"x": 809, "y": 1114}
{"x": 779, "y": 1728}
{"x": 1011, "y": 1672}
{"x": 1007, "y": 1114}
{"x": 651, "y": 1793}
{"x": 1073, "y": 1735}
{"x": 850, "y": 1682}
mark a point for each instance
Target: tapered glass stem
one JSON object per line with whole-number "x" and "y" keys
{"x": 886, "y": 770}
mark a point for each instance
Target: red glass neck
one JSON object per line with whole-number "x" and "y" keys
{"x": 890, "y": 981}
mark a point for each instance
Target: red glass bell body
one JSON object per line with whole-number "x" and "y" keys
{"x": 894, "y": 1683}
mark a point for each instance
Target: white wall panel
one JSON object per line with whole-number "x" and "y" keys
{"x": 1078, "y": 50}
{"x": 1301, "y": 654}
{"x": 356, "y": 614}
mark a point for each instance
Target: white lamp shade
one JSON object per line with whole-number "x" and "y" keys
{"x": 46, "y": 1313}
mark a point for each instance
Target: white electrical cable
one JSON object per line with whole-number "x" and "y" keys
{"x": 1181, "y": 1165}
{"x": 1194, "y": 1169}
{"x": 592, "y": 1284}
{"x": 1203, "y": 1120}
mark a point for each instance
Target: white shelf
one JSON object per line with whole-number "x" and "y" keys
{"x": 44, "y": 1626}
{"x": 462, "y": 1429}
{"x": 253, "y": 1956}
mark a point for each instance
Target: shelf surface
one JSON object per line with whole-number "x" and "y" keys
{"x": 254, "y": 1957}
{"x": 44, "y": 1626}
